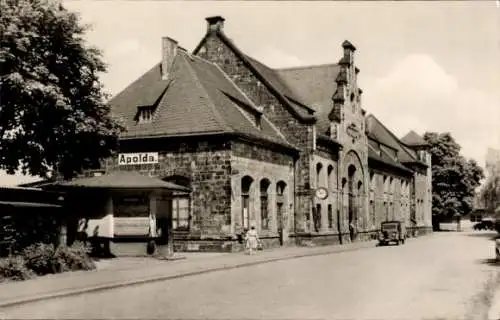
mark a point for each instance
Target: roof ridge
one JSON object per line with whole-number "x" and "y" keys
{"x": 251, "y": 103}
{"x": 218, "y": 117}
{"x": 258, "y": 74}
{"x": 401, "y": 144}
{"x": 414, "y": 135}
{"x": 130, "y": 85}
{"x": 306, "y": 67}
{"x": 302, "y": 104}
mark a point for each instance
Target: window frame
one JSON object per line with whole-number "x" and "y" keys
{"x": 176, "y": 218}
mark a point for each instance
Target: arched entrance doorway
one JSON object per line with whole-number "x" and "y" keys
{"x": 352, "y": 212}
{"x": 354, "y": 187}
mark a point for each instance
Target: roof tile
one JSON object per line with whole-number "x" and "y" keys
{"x": 197, "y": 98}
{"x": 413, "y": 139}
{"x": 316, "y": 86}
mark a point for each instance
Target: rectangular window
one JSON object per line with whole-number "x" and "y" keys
{"x": 330, "y": 217}
{"x": 264, "y": 216}
{"x": 317, "y": 220}
{"x": 180, "y": 214}
{"x": 372, "y": 212}
{"x": 279, "y": 215}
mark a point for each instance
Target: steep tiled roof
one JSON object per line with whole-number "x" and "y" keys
{"x": 120, "y": 180}
{"x": 412, "y": 139}
{"x": 377, "y": 131}
{"x": 198, "y": 98}
{"x": 274, "y": 78}
{"x": 315, "y": 85}
{"x": 382, "y": 157}
{"x": 269, "y": 78}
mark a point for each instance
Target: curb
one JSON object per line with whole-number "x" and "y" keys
{"x": 121, "y": 284}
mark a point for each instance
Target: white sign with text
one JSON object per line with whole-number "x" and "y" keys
{"x": 137, "y": 158}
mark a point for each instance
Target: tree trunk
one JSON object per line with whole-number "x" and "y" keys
{"x": 436, "y": 223}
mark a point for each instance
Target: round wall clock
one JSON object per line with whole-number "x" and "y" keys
{"x": 321, "y": 193}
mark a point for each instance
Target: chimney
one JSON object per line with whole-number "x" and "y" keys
{"x": 349, "y": 49}
{"x": 168, "y": 52}
{"x": 215, "y": 23}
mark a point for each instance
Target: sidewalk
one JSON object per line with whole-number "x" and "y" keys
{"x": 494, "y": 312}
{"x": 146, "y": 270}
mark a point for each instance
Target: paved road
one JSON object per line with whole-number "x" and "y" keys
{"x": 430, "y": 277}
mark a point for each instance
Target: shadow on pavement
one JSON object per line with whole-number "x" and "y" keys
{"x": 490, "y": 262}
{"x": 492, "y": 235}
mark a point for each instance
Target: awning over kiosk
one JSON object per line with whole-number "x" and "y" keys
{"x": 120, "y": 180}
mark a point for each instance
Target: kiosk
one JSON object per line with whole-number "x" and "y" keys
{"x": 124, "y": 213}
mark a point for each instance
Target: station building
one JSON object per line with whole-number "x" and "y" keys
{"x": 289, "y": 151}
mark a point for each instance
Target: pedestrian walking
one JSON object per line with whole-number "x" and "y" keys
{"x": 252, "y": 240}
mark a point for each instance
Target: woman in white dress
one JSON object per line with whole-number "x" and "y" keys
{"x": 252, "y": 239}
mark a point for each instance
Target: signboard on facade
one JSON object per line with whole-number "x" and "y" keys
{"x": 131, "y": 206}
{"x": 133, "y": 226}
{"x": 125, "y": 159}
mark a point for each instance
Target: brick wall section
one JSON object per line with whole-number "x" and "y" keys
{"x": 299, "y": 134}
{"x": 208, "y": 166}
{"x": 260, "y": 153}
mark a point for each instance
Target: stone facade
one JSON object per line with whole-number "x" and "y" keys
{"x": 298, "y": 133}
{"x": 241, "y": 182}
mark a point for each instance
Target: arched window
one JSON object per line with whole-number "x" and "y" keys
{"x": 246, "y": 184}
{"x": 319, "y": 169}
{"x": 372, "y": 212}
{"x": 330, "y": 177}
{"x": 372, "y": 181}
{"x": 264, "y": 204}
{"x": 280, "y": 203}
{"x": 280, "y": 188}
{"x": 330, "y": 217}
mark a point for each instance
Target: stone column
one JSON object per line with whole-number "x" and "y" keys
{"x": 152, "y": 214}
{"x": 111, "y": 225}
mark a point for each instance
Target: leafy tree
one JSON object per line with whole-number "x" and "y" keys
{"x": 52, "y": 111}
{"x": 490, "y": 192}
{"x": 454, "y": 178}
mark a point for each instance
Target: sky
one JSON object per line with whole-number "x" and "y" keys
{"x": 425, "y": 66}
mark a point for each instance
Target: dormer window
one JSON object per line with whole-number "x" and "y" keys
{"x": 144, "y": 114}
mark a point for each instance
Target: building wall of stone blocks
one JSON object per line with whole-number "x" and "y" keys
{"x": 207, "y": 165}
{"x": 274, "y": 173}
{"x": 428, "y": 198}
{"x": 324, "y": 173}
{"x": 382, "y": 194}
{"x": 260, "y": 163}
{"x": 421, "y": 197}
{"x": 299, "y": 134}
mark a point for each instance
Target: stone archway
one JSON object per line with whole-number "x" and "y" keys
{"x": 354, "y": 177}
